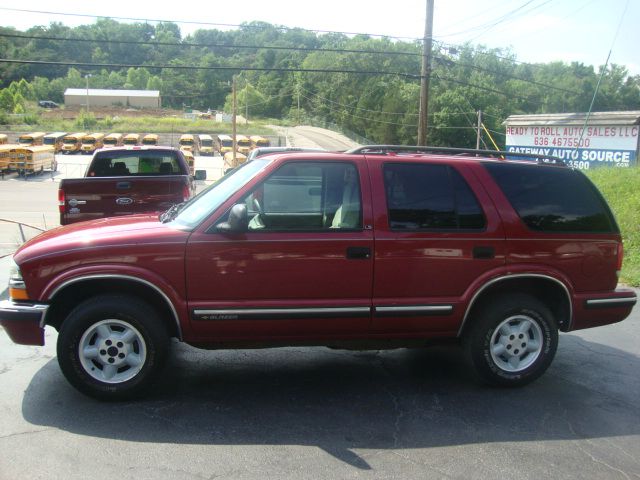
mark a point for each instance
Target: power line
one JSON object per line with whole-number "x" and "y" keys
{"x": 486, "y": 89}
{"x": 193, "y": 22}
{"x": 206, "y": 45}
{"x": 441, "y": 60}
{"x": 195, "y": 67}
{"x": 444, "y": 60}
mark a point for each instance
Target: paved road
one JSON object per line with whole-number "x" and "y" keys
{"x": 315, "y": 137}
{"x": 309, "y": 413}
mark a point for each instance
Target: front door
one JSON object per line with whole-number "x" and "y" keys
{"x": 304, "y": 267}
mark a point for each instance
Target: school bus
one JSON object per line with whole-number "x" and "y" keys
{"x": 131, "y": 139}
{"x": 3, "y": 139}
{"x": 189, "y": 143}
{"x": 54, "y": 140}
{"x": 229, "y": 164}
{"x": 71, "y": 143}
{"x": 5, "y": 155}
{"x": 34, "y": 159}
{"x": 29, "y": 139}
{"x": 225, "y": 144}
{"x": 150, "y": 139}
{"x": 259, "y": 141}
{"x": 188, "y": 156}
{"x": 113, "y": 140}
{"x": 90, "y": 143}
{"x": 244, "y": 144}
{"x": 206, "y": 145}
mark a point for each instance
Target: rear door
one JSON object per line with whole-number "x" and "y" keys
{"x": 437, "y": 233}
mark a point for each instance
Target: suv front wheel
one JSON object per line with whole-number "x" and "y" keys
{"x": 111, "y": 347}
{"x": 512, "y": 341}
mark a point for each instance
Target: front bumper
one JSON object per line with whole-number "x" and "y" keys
{"x": 23, "y": 322}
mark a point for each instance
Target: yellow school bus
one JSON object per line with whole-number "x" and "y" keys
{"x": 189, "y": 143}
{"x": 90, "y": 143}
{"x": 71, "y": 143}
{"x": 131, "y": 139}
{"x": 188, "y": 156}
{"x": 5, "y": 155}
{"x": 150, "y": 139}
{"x": 225, "y": 144}
{"x": 229, "y": 164}
{"x": 244, "y": 144}
{"x": 113, "y": 140}
{"x": 206, "y": 145}
{"x": 3, "y": 139}
{"x": 259, "y": 141}
{"x": 29, "y": 139}
{"x": 54, "y": 140}
{"x": 35, "y": 159}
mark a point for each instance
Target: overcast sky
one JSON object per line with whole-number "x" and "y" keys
{"x": 535, "y": 30}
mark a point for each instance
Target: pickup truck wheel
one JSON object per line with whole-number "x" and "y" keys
{"x": 111, "y": 347}
{"x": 513, "y": 340}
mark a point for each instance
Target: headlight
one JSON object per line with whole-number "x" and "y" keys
{"x": 17, "y": 288}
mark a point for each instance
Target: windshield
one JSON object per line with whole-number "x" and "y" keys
{"x": 186, "y": 142}
{"x": 89, "y": 141}
{"x": 110, "y": 141}
{"x": 49, "y": 141}
{"x": 207, "y": 143}
{"x": 25, "y": 140}
{"x": 70, "y": 141}
{"x": 207, "y": 201}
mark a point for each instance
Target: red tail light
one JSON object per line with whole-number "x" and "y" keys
{"x": 61, "y": 200}
{"x": 620, "y": 257}
{"x": 186, "y": 193}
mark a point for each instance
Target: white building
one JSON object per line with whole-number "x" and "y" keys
{"x": 107, "y": 98}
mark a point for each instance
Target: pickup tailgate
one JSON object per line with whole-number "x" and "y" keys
{"x": 90, "y": 198}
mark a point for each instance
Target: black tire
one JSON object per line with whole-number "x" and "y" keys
{"x": 124, "y": 345}
{"x": 512, "y": 341}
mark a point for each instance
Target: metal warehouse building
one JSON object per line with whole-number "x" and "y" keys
{"x": 108, "y": 98}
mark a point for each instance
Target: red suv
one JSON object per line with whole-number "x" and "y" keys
{"x": 381, "y": 247}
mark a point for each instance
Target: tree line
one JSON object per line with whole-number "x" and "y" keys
{"x": 381, "y": 104}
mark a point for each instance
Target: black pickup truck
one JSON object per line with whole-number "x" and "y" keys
{"x": 124, "y": 181}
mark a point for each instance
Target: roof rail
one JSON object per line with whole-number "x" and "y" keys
{"x": 385, "y": 149}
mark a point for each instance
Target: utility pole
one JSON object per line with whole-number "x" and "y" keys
{"x": 425, "y": 73}
{"x": 298, "y": 88}
{"x": 478, "y": 135}
{"x": 233, "y": 123}
{"x": 246, "y": 101}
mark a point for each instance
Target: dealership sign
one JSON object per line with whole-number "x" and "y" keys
{"x": 611, "y": 146}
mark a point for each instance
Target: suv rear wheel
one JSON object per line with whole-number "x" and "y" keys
{"x": 111, "y": 347}
{"x": 512, "y": 341}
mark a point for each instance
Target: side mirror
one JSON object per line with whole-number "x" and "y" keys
{"x": 238, "y": 220}
{"x": 200, "y": 175}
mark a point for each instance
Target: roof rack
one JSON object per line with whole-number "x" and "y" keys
{"x": 386, "y": 149}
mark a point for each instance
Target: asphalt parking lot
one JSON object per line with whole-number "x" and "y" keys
{"x": 309, "y": 413}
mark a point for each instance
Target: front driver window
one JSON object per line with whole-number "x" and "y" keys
{"x": 303, "y": 196}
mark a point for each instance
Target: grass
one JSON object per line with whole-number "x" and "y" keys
{"x": 620, "y": 186}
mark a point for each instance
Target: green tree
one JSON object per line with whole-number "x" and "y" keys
{"x": 6, "y": 100}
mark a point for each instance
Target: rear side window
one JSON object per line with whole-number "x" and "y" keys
{"x": 553, "y": 199}
{"x": 430, "y": 197}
